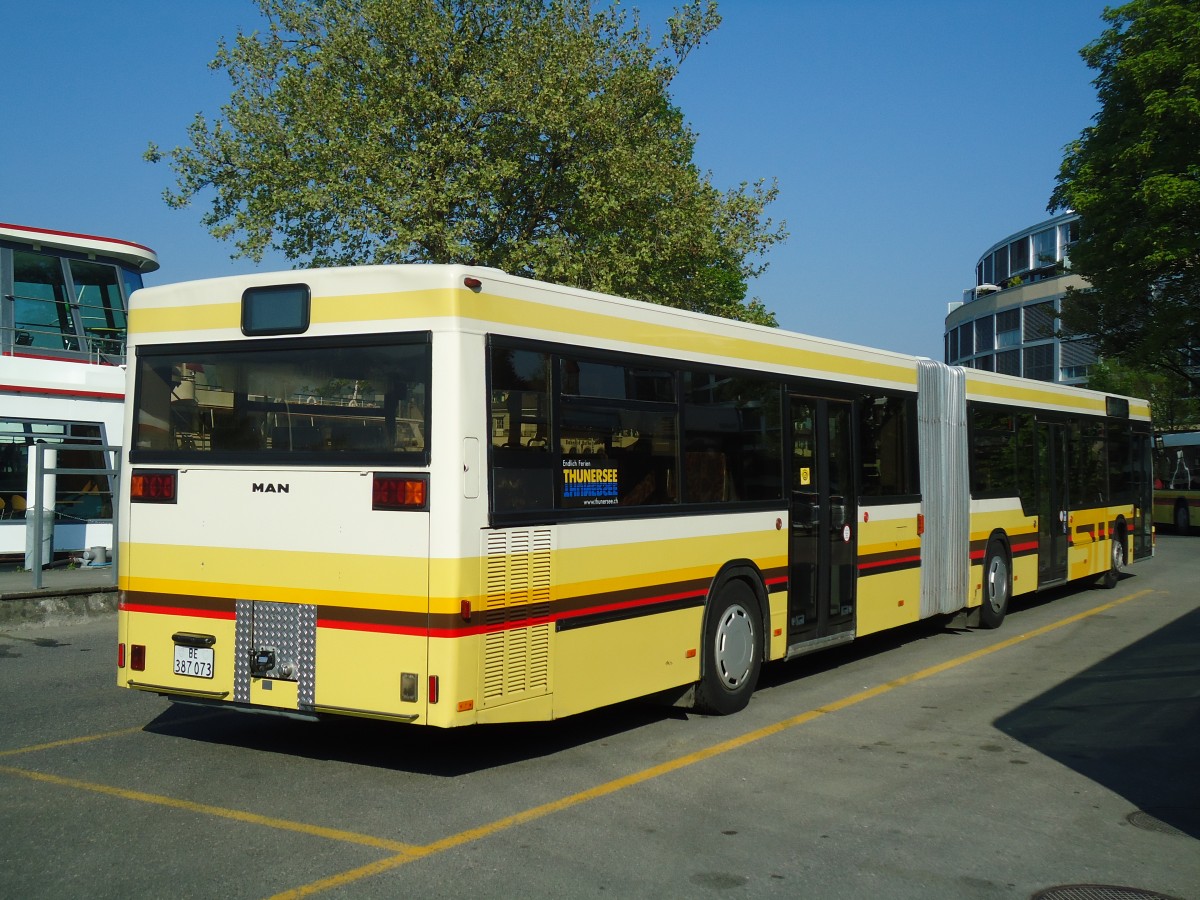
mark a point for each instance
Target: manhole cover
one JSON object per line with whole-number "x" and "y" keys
{"x": 1182, "y": 821}
{"x": 1098, "y": 892}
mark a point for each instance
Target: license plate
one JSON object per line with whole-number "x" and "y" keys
{"x": 196, "y": 662}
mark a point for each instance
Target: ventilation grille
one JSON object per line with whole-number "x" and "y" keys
{"x": 517, "y": 579}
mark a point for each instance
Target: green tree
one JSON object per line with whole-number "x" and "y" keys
{"x": 1171, "y": 409}
{"x": 1134, "y": 178}
{"x": 537, "y": 136}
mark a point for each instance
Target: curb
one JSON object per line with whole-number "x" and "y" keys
{"x": 56, "y": 607}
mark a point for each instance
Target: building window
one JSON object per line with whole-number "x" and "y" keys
{"x": 1008, "y": 328}
{"x": 1075, "y": 359}
{"x": 1068, "y": 233}
{"x": 1018, "y": 256}
{"x": 983, "y": 335}
{"x": 1039, "y": 362}
{"x": 1000, "y": 265}
{"x": 1045, "y": 253}
{"x": 1008, "y": 362}
{"x": 965, "y": 340}
{"x": 1039, "y": 321}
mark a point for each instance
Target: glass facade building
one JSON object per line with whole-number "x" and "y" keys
{"x": 1009, "y": 321}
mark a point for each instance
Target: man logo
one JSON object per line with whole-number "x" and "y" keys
{"x": 260, "y": 488}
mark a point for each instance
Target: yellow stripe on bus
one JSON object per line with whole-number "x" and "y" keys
{"x": 505, "y": 310}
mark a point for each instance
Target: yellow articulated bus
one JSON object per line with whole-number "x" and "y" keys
{"x": 445, "y": 495}
{"x": 1177, "y": 481}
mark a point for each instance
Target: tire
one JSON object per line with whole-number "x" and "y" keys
{"x": 1182, "y": 518}
{"x": 732, "y": 651}
{"x": 1116, "y": 563}
{"x": 997, "y": 586}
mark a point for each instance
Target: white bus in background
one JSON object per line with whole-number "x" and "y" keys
{"x": 62, "y": 378}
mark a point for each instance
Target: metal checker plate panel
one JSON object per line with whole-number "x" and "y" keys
{"x": 290, "y": 629}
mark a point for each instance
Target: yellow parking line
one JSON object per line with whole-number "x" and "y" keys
{"x": 104, "y": 735}
{"x": 333, "y": 834}
{"x": 618, "y": 784}
{"x": 75, "y": 740}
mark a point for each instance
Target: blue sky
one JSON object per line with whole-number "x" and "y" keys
{"x": 906, "y": 138}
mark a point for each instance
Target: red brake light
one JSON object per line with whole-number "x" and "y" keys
{"x": 137, "y": 657}
{"x": 399, "y": 492}
{"x": 152, "y": 486}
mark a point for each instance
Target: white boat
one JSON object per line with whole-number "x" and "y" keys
{"x": 62, "y": 382}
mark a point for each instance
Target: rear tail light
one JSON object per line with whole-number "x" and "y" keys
{"x": 121, "y": 655}
{"x": 137, "y": 657}
{"x": 151, "y": 486}
{"x": 399, "y": 492}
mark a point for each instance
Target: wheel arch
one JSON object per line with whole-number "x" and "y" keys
{"x": 998, "y": 536}
{"x": 1121, "y": 532}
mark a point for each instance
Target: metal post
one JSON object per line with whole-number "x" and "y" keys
{"x": 115, "y": 499}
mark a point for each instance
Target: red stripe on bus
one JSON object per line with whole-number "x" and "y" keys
{"x": 1017, "y": 549}
{"x": 630, "y": 604}
{"x": 467, "y": 629}
{"x": 895, "y": 561}
{"x": 179, "y": 611}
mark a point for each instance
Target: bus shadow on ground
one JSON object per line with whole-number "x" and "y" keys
{"x": 457, "y": 751}
{"x": 437, "y": 752}
{"x": 461, "y": 751}
{"x": 1130, "y": 723}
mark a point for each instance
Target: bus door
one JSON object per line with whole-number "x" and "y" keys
{"x": 1054, "y": 515}
{"x": 823, "y": 518}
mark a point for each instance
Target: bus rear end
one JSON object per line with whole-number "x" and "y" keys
{"x": 275, "y": 506}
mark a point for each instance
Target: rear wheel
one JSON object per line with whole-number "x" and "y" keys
{"x": 1116, "y": 563}
{"x": 732, "y": 651}
{"x": 997, "y": 586}
{"x": 1182, "y": 521}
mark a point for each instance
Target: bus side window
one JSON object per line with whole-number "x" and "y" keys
{"x": 520, "y": 412}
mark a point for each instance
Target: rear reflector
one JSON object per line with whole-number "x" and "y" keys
{"x": 149, "y": 486}
{"x": 399, "y": 492}
{"x": 121, "y": 655}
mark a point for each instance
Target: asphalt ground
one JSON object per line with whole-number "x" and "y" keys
{"x": 930, "y": 762}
